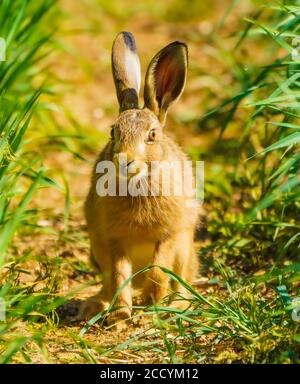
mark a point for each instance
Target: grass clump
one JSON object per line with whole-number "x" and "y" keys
{"x": 22, "y": 76}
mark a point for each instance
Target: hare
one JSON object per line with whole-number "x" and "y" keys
{"x": 129, "y": 232}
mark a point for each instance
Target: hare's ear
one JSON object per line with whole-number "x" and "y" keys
{"x": 165, "y": 78}
{"x": 126, "y": 71}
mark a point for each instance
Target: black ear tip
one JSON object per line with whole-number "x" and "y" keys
{"x": 177, "y": 42}
{"x": 180, "y": 44}
{"x": 128, "y": 40}
{"x": 176, "y": 46}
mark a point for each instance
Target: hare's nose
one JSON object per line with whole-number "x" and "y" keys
{"x": 122, "y": 159}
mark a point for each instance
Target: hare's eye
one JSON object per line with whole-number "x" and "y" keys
{"x": 112, "y": 134}
{"x": 152, "y": 135}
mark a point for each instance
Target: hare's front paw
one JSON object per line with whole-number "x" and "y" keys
{"x": 119, "y": 318}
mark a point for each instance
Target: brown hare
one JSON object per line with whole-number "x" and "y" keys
{"x": 130, "y": 232}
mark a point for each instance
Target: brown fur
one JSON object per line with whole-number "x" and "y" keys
{"x": 128, "y": 233}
